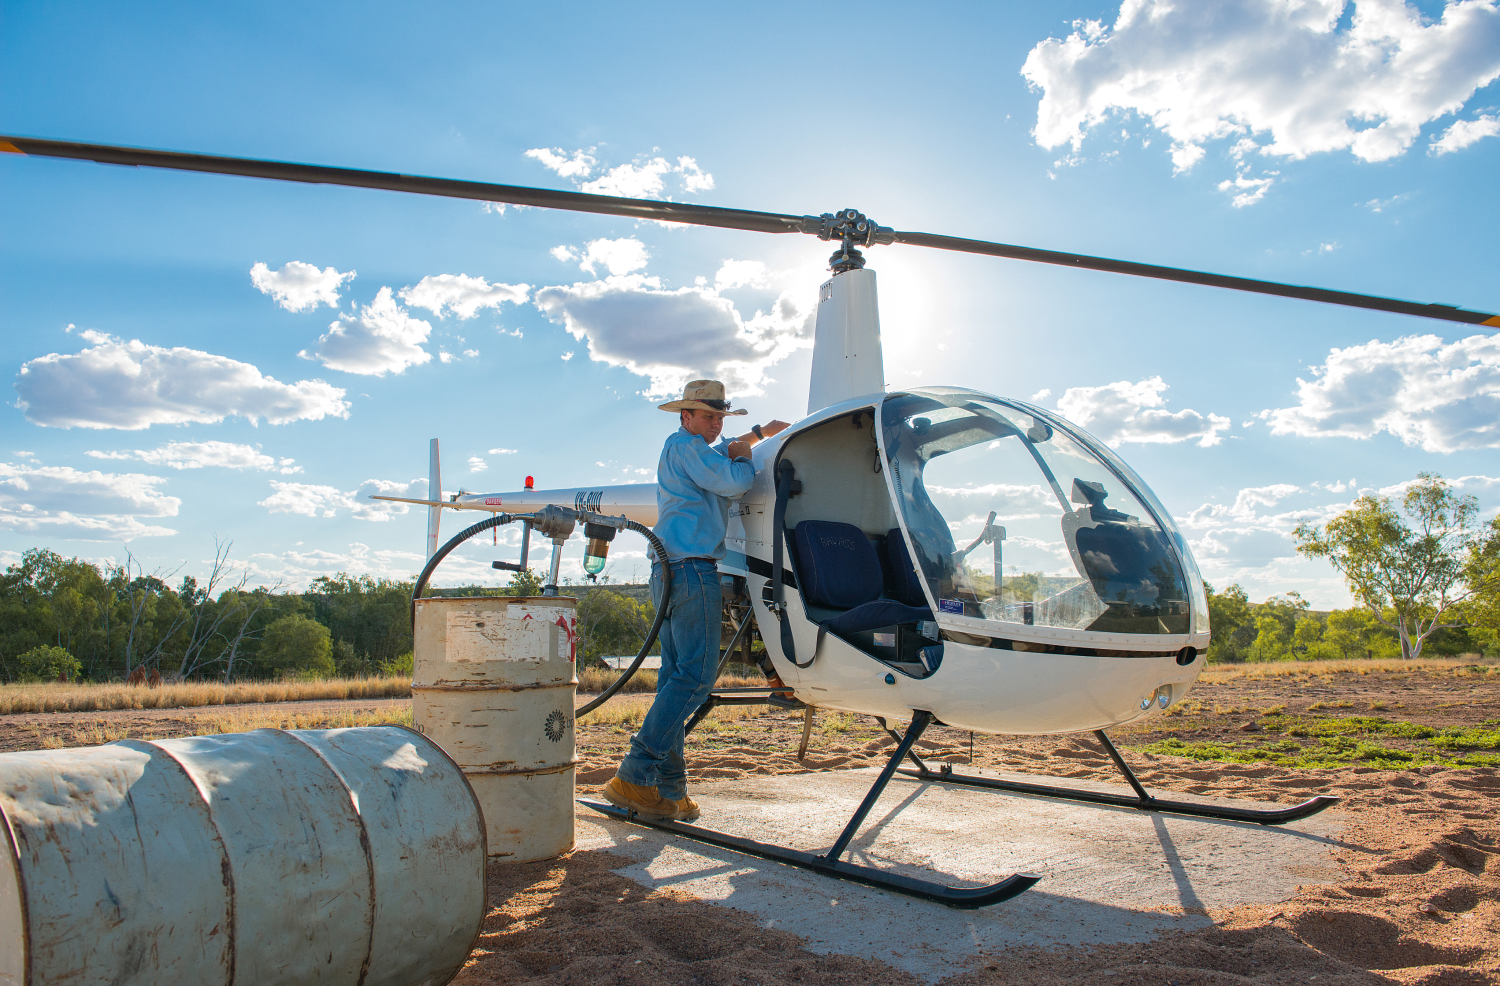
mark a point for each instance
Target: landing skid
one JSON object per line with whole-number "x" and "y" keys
{"x": 1142, "y": 800}
{"x": 829, "y": 864}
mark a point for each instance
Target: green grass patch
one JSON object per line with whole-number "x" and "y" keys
{"x": 1476, "y": 738}
{"x": 1358, "y": 726}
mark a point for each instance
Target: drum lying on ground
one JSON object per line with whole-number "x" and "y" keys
{"x": 269, "y": 857}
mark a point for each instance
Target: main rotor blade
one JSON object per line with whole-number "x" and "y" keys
{"x": 1449, "y": 313}
{"x": 700, "y": 215}
{"x": 542, "y": 198}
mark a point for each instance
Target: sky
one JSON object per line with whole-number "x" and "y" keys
{"x": 199, "y": 360}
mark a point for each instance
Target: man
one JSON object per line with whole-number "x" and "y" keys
{"x": 695, "y": 480}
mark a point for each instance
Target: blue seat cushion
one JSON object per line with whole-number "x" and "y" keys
{"x": 873, "y": 615}
{"x": 839, "y": 566}
{"x": 906, "y": 581}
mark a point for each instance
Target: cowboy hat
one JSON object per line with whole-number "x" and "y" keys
{"x": 702, "y": 395}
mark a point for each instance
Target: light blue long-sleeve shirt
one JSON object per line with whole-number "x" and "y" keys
{"x": 694, "y": 484}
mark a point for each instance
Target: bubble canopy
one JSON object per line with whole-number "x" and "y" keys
{"x": 1017, "y": 517}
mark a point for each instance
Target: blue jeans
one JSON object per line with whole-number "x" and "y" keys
{"x": 689, "y": 660}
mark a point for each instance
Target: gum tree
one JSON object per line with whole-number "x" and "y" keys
{"x": 1408, "y": 565}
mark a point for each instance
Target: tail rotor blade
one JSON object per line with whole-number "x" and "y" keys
{"x": 434, "y": 492}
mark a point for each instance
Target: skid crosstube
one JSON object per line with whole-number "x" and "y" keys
{"x": 1143, "y": 800}
{"x": 964, "y": 898}
{"x": 1263, "y": 816}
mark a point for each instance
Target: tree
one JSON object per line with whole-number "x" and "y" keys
{"x": 1307, "y": 638}
{"x": 1270, "y": 639}
{"x": 1348, "y": 633}
{"x": 48, "y": 663}
{"x": 295, "y": 643}
{"x": 1229, "y": 620}
{"x": 1409, "y": 567}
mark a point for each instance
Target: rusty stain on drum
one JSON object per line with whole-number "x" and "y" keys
{"x": 493, "y": 683}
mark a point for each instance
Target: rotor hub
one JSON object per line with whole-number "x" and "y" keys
{"x": 851, "y": 228}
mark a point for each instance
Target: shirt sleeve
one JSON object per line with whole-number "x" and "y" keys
{"x": 709, "y": 469}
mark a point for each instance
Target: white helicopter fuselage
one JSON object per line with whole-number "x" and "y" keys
{"x": 997, "y": 674}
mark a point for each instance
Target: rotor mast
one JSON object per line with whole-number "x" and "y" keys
{"x": 848, "y": 361}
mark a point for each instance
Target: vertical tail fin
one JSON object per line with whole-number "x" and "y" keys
{"x": 434, "y": 492}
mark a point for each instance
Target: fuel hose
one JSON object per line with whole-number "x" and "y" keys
{"x": 500, "y": 520}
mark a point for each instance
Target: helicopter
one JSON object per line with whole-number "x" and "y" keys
{"x": 867, "y": 556}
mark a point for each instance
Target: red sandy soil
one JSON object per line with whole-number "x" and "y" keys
{"x": 1417, "y": 901}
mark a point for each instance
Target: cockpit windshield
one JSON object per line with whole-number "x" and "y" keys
{"x": 1015, "y": 520}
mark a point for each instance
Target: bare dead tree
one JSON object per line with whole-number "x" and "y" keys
{"x": 208, "y": 617}
{"x": 139, "y": 596}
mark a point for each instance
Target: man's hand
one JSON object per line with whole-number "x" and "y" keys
{"x": 773, "y": 428}
{"x": 738, "y": 450}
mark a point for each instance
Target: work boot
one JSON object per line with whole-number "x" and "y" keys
{"x": 645, "y": 801}
{"x": 781, "y": 700}
{"x": 687, "y": 809}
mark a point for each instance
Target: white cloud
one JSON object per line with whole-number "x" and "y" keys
{"x": 1246, "y": 502}
{"x": 619, "y": 256}
{"x": 673, "y": 336}
{"x": 1122, "y": 412}
{"x": 300, "y": 287}
{"x": 1042, "y": 394}
{"x": 631, "y": 181}
{"x": 196, "y": 455}
{"x": 578, "y": 165}
{"x": 741, "y": 274}
{"x": 130, "y": 385}
{"x": 379, "y": 339}
{"x": 642, "y": 178}
{"x": 1380, "y": 205}
{"x": 1463, "y": 133}
{"x": 476, "y": 464}
{"x": 1281, "y": 72}
{"x": 59, "y": 501}
{"x": 567, "y": 356}
{"x": 694, "y": 178}
{"x": 297, "y": 567}
{"x": 462, "y": 295}
{"x": 1247, "y": 190}
{"x": 1441, "y": 396}
{"x": 501, "y": 451}
{"x": 312, "y": 500}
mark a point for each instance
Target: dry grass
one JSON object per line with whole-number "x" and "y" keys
{"x": 626, "y": 712}
{"x": 55, "y": 697}
{"x": 593, "y": 681}
{"x": 1216, "y": 673}
{"x": 242, "y": 721}
{"x": 97, "y": 733}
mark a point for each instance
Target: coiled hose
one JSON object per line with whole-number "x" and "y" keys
{"x": 500, "y": 520}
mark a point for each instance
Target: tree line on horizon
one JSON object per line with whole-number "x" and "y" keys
{"x": 69, "y": 619}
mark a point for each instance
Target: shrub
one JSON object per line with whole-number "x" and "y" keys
{"x": 399, "y": 668}
{"x": 47, "y": 663}
{"x": 295, "y": 644}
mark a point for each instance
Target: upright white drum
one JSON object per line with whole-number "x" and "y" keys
{"x": 493, "y": 684}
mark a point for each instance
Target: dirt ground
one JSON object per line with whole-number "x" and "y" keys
{"x": 1414, "y": 751}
